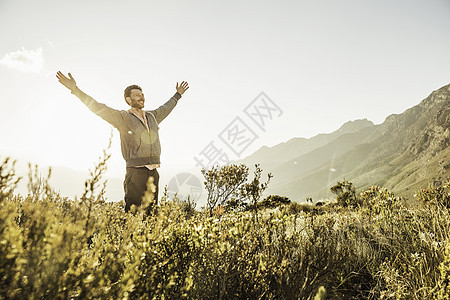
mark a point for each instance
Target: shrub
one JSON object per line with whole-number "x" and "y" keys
{"x": 378, "y": 199}
{"x": 8, "y": 178}
{"x": 273, "y": 201}
{"x": 222, "y": 183}
{"x": 436, "y": 194}
{"x": 251, "y": 192}
{"x": 227, "y": 186}
{"x": 444, "y": 285}
{"x": 295, "y": 208}
{"x": 55, "y": 248}
{"x": 345, "y": 193}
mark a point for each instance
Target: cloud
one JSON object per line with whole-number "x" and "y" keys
{"x": 24, "y": 60}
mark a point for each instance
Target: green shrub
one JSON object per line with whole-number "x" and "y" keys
{"x": 345, "y": 193}
{"x": 444, "y": 288}
{"x": 8, "y": 178}
{"x": 378, "y": 199}
{"x": 223, "y": 183}
{"x": 273, "y": 201}
{"x": 56, "y": 248}
{"x": 227, "y": 186}
{"x": 436, "y": 194}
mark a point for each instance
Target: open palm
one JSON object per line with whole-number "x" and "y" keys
{"x": 182, "y": 88}
{"x": 67, "y": 82}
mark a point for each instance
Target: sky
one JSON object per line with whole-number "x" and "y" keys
{"x": 314, "y": 64}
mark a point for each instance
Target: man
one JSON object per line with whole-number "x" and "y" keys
{"x": 139, "y": 137}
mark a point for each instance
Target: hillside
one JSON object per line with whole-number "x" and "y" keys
{"x": 406, "y": 151}
{"x": 282, "y": 153}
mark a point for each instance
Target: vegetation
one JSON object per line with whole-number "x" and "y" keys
{"x": 274, "y": 201}
{"x": 227, "y": 186}
{"x": 366, "y": 246}
{"x": 345, "y": 193}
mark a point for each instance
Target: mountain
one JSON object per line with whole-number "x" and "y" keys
{"x": 278, "y": 155}
{"x": 405, "y": 152}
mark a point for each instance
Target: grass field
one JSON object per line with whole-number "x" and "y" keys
{"x": 375, "y": 248}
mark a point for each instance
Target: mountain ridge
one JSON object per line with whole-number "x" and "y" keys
{"x": 269, "y": 157}
{"x": 403, "y": 153}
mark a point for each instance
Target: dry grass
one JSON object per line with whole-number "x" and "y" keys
{"x": 55, "y": 248}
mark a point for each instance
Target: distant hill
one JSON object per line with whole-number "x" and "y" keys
{"x": 405, "y": 152}
{"x": 277, "y": 155}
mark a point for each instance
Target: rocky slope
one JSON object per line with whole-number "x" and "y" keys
{"x": 405, "y": 152}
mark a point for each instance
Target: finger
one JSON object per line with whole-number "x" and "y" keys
{"x": 61, "y": 76}
{"x": 70, "y": 75}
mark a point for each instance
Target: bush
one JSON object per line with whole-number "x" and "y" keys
{"x": 273, "y": 201}
{"x": 222, "y": 183}
{"x": 437, "y": 194}
{"x": 295, "y": 208}
{"x": 8, "y": 178}
{"x": 227, "y": 186}
{"x": 55, "y": 248}
{"x": 378, "y": 199}
{"x": 444, "y": 285}
{"x": 345, "y": 194}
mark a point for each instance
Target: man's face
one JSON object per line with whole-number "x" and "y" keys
{"x": 136, "y": 99}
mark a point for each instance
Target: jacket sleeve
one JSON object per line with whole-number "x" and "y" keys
{"x": 163, "y": 111}
{"x": 110, "y": 115}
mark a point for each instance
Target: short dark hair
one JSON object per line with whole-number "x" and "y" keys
{"x": 127, "y": 91}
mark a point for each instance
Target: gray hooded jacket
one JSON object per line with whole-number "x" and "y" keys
{"x": 140, "y": 146}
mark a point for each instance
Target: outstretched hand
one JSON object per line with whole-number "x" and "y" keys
{"x": 182, "y": 88}
{"x": 67, "y": 82}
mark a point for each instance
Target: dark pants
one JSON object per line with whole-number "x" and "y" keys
{"x": 135, "y": 185}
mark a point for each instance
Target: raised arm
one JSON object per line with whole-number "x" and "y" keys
{"x": 110, "y": 115}
{"x": 163, "y": 111}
